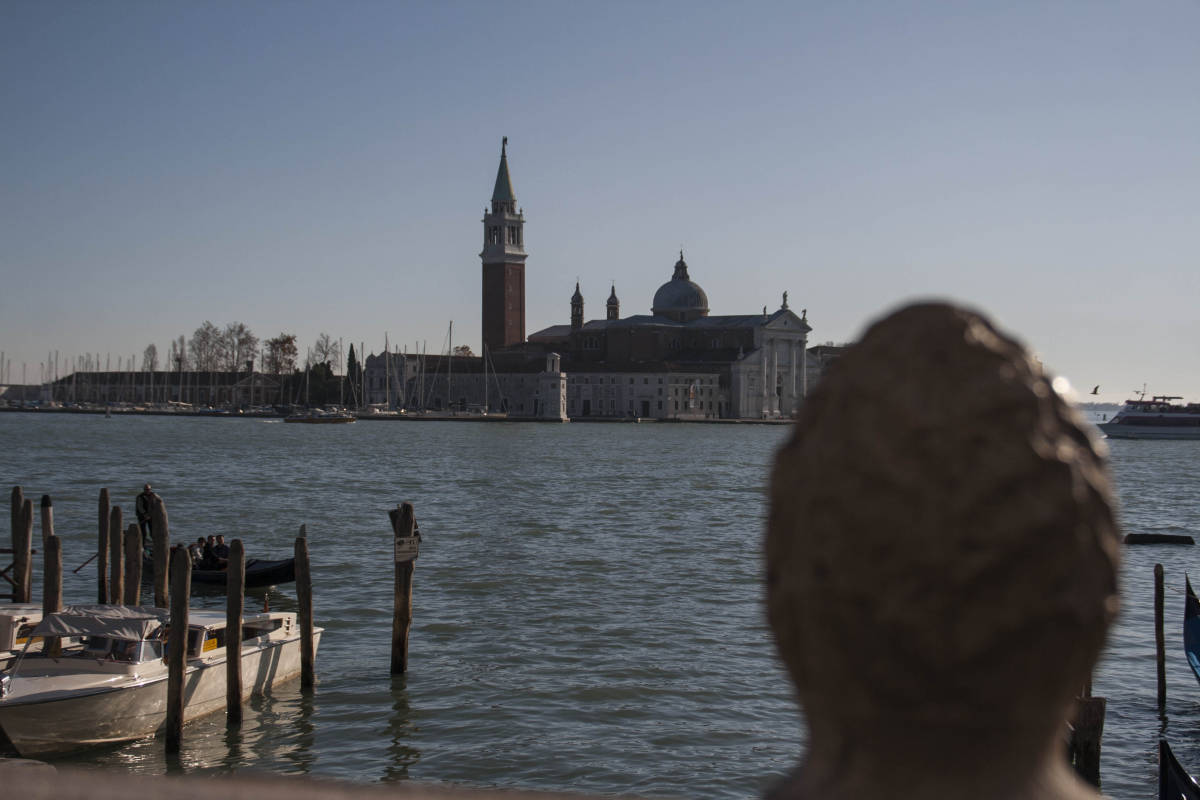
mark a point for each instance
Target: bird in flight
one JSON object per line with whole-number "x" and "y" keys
{"x": 1096, "y": 389}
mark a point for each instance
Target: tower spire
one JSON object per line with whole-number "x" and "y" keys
{"x": 503, "y": 196}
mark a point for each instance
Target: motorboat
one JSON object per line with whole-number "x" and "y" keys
{"x": 260, "y": 572}
{"x": 114, "y": 687}
{"x": 319, "y": 416}
{"x": 17, "y": 621}
{"x": 1157, "y": 418}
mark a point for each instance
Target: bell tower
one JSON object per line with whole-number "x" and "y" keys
{"x": 576, "y": 309}
{"x": 503, "y": 259}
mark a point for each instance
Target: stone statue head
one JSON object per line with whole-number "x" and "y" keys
{"x": 941, "y": 552}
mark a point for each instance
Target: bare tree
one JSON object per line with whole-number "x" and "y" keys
{"x": 206, "y": 348}
{"x": 325, "y": 351}
{"x": 240, "y": 345}
{"x": 150, "y": 358}
{"x": 281, "y": 354}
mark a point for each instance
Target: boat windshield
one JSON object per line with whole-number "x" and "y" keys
{"x": 106, "y": 649}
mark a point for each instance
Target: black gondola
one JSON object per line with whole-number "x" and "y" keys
{"x": 1174, "y": 782}
{"x": 259, "y": 573}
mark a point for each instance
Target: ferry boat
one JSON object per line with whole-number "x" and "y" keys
{"x": 114, "y": 687}
{"x": 1157, "y": 418}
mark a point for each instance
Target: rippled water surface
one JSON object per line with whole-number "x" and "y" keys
{"x": 587, "y": 603}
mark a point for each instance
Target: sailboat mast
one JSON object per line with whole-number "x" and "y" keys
{"x": 450, "y": 368}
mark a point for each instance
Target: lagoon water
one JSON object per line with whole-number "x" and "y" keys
{"x": 587, "y": 602}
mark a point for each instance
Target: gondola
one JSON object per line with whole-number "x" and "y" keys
{"x": 1191, "y": 628}
{"x": 259, "y": 572}
{"x": 1174, "y": 783}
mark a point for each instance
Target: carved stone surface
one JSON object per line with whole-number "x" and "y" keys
{"x": 942, "y": 560}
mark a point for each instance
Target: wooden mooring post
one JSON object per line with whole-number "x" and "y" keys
{"x": 1086, "y": 733}
{"x": 102, "y": 548}
{"x": 161, "y": 536}
{"x": 405, "y": 541}
{"x": 181, "y": 590}
{"x": 305, "y": 612}
{"x": 116, "y": 560}
{"x": 133, "y": 568}
{"x": 22, "y": 567}
{"x": 52, "y": 587}
{"x": 1160, "y": 649}
{"x": 9, "y": 573}
{"x": 47, "y": 518}
{"x": 235, "y": 600}
{"x": 18, "y": 503}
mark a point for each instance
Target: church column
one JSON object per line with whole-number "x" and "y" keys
{"x": 790, "y": 383}
{"x": 764, "y": 370}
{"x": 774, "y": 386}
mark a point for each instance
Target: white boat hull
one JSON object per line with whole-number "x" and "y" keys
{"x": 1119, "y": 431}
{"x": 135, "y": 707}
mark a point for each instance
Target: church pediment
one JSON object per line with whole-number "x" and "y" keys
{"x": 786, "y": 321}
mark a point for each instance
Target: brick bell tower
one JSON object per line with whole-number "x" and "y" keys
{"x": 503, "y": 259}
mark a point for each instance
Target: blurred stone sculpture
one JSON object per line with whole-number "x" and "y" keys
{"x": 942, "y": 563}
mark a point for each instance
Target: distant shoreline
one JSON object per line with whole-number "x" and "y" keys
{"x": 443, "y": 417}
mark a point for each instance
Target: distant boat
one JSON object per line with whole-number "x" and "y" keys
{"x": 1191, "y": 628}
{"x": 318, "y": 416}
{"x": 259, "y": 572}
{"x": 1174, "y": 782}
{"x": 1157, "y": 418}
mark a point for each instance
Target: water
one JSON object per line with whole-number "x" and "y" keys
{"x": 587, "y": 603}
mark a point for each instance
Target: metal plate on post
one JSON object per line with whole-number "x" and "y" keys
{"x": 406, "y": 548}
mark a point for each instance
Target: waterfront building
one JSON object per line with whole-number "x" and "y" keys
{"x": 519, "y": 384}
{"x": 162, "y": 387}
{"x": 677, "y": 362}
{"x": 698, "y": 366}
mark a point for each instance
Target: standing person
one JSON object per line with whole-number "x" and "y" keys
{"x": 144, "y": 507}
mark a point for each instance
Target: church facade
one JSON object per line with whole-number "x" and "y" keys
{"x": 678, "y": 362}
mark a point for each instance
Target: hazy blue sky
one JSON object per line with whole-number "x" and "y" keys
{"x": 309, "y": 167}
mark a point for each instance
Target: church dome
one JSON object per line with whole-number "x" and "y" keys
{"x": 679, "y": 298}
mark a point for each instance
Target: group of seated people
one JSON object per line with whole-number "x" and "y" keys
{"x": 211, "y": 553}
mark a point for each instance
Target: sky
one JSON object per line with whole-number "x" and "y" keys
{"x": 309, "y": 167}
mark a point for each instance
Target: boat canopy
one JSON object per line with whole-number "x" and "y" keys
{"x": 114, "y": 622}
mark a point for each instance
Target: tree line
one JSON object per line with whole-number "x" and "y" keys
{"x": 235, "y": 348}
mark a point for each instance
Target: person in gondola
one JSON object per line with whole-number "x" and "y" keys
{"x": 221, "y": 550}
{"x": 209, "y": 558}
{"x": 196, "y": 551}
{"x": 144, "y": 508}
